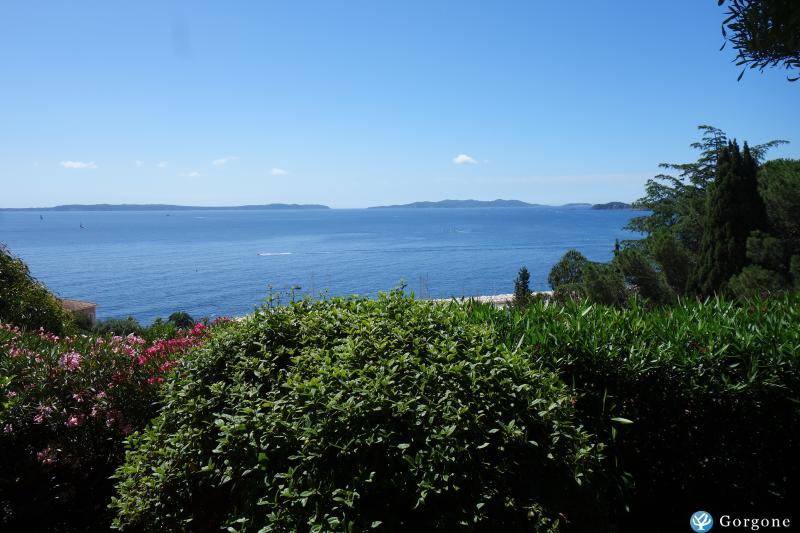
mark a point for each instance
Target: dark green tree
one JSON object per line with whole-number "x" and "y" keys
{"x": 675, "y": 201}
{"x": 764, "y": 33}
{"x": 181, "y": 319}
{"x": 675, "y": 260}
{"x": 733, "y": 210}
{"x": 604, "y": 284}
{"x": 779, "y": 186}
{"x": 522, "y": 291}
{"x": 569, "y": 270}
{"x": 643, "y": 276}
{"x": 756, "y": 281}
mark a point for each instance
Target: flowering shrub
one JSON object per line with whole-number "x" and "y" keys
{"x": 66, "y": 405}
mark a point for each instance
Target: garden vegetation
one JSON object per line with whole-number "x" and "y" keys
{"x": 663, "y": 381}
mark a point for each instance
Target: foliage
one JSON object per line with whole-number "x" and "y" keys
{"x": 677, "y": 203}
{"x": 522, "y": 289}
{"x": 794, "y": 271}
{"x": 779, "y": 186}
{"x": 643, "y": 275}
{"x": 604, "y": 284}
{"x": 764, "y": 33}
{"x": 569, "y": 292}
{"x": 693, "y": 401}
{"x": 755, "y": 280}
{"x": 733, "y": 210}
{"x": 177, "y": 322}
{"x": 69, "y": 403}
{"x": 569, "y": 270}
{"x": 181, "y": 319}
{"x": 118, "y": 326}
{"x": 675, "y": 261}
{"x": 349, "y": 415}
{"x": 765, "y": 250}
{"x": 25, "y": 302}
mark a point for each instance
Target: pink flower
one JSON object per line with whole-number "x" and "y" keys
{"x": 44, "y": 412}
{"x": 8, "y": 428}
{"x": 74, "y": 421}
{"x": 11, "y": 394}
{"x": 45, "y": 456}
{"x": 100, "y": 395}
{"x": 77, "y": 397}
{"x": 70, "y": 361}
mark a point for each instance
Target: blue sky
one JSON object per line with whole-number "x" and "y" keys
{"x": 357, "y": 103}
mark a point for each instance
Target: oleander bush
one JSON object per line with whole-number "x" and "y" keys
{"x": 66, "y": 407}
{"x": 354, "y": 415}
{"x": 697, "y": 403}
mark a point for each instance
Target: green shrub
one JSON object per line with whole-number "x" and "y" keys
{"x": 352, "y": 415}
{"x": 711, "y": 390}
{"x": 25, "y": 302}
{"x": 569, "y": 292}
{"x": 118, "y": 326}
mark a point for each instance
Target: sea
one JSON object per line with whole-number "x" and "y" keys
{"x": 212, "y": 263}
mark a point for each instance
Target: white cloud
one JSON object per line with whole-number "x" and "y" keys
{"x": 162, "y": 164}
{"x": 138, "y": 163}
{"x": 278, "y": 172}
{"x": 192, "y": 174}
{"x": 222, "y": 161}
{"x": 464, "y": 159}
{"x": 78, "y": 164}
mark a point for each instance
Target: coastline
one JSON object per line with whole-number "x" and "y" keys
{"x": 500, "y": 300}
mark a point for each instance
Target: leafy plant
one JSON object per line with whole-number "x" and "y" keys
{"x": 691, "y": 400}
{"x": 352, "y": 415}
{"x": 25, "y": 302}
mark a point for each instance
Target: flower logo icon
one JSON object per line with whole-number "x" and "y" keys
{"x": 701, "y": 521}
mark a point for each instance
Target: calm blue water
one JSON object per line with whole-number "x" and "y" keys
{"x": 212, "y": 263}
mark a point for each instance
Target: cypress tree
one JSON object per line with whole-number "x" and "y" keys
{"x": 733, "y": 210}
{"x": 522, "y": 291}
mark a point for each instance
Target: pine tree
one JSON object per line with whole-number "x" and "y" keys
{"x": 733, "y": 210}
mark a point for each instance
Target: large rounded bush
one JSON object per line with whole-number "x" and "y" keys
{"x": 353, "y": 415}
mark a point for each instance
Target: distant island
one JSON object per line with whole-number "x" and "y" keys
{"x": 499, "y": 203}
{"x": 161, "y": 207}
{"x": 613, "y": 205}
{"x": 461, "y": 203}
